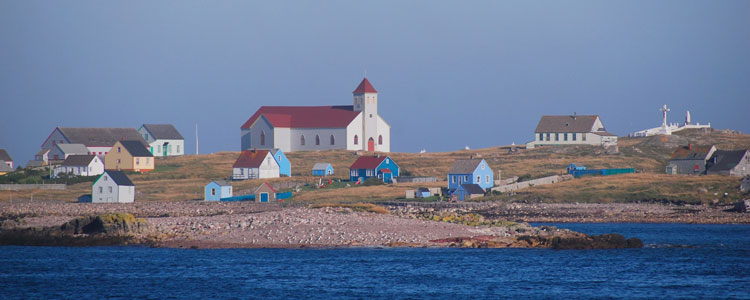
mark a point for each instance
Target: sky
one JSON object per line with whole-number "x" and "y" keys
{"x": 449, "y": 73}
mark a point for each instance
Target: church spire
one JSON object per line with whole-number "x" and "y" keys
{"x": 364, "y": 87}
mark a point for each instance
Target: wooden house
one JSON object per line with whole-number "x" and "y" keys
{"x": 163, "y": 139}
{"x": 285, "y": 166}
{"x": 322, "y": 169}
{"x": 113, "y": 187}
{"x": 571, "y": 130}
{"x": 217, "y": 189}
{"x": 80, "y": 165}
{"x": 468, "y": 191}
{"x": 382, "y": 167}
{"x": 265, "y": 193}
{"x": 255, "y": 164}
{"x": 729, "y": 162}
{"x": 129, "y": 156}
{"x": 60, "y": 152}
{"x": 4, "y": 156}
{"x": 470, "y": 171}
{"x": 97, "y": 140}
{"x": 690, "y": 159}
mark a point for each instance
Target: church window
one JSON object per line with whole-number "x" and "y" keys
{"x": 541, "y": 136}
{"x": 565, "y": 136}
{"x": 333, "y": 141}
{"x": 557, "y": 136}
{"x": 370, "y": 115}
{"x": 356, "y": 140}
{"x": 574, "y": 136}
{"x": 302, "y": 140}
{"x": 317, "y": 140}
{"x": 547, "y": 136}
{"x": 262, "y": 137}
{"x": 380, "y": 140}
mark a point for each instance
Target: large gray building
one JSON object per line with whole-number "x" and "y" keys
{"x": 729, "y": 162}
{"x": 690, "y": 159}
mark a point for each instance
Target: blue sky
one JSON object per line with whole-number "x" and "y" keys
{"x": 449, "y": 73}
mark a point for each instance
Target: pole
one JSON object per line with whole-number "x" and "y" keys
{"x": 196, "y": 138}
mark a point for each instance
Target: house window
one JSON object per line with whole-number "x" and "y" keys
{"x": 487, "y": 178}
{"x": 262, "y": 138}
{"x": 356, "y": 139}
{"x": 466, "y": 178}
{"x": 101, "y": 190}
{"x": 148, "y": 160}
{"x": 541, "y": 136}
{"x": 137, "y": 161}
{"x": 213, "y": 192}
{"x": 333, "y": 141}
{"x": 583, "y": 137}
{"x": 118, "y": 161}
{"x": 302, "y": 140}
{"x": 482, "y": 166}
{"x": 547, "y": 136}
{"x": 317, "y": 140}
{"x": 242, "y": 171}
{"x": 146, "y": 136}
{"x": 178, "y": 148}
{"x": 109, "y": 189}
{"x": 387, "y": 160}
{"x": 380, "y": 139}
{"x": 169, "y": 148}
{"x": 557, "y": 137}
{"x": 565, "y": 136}
{"x": 453, "y": 179}
{"x": 479, "y": 179}
{"x": 105, "y": 178}
{"x": 574, "y": 136}
{"x": 118, "y": 149}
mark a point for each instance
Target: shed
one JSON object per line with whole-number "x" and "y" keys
{"x": 217, "y": 189}
{"x": 468, "y": 191}
{"x": 322, "y": 169}
{"x": 113, "y": 187}
{"x": 423, "y": 192}
{"x": 265, "y": 193}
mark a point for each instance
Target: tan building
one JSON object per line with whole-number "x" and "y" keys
{"x": 129, "y": 156}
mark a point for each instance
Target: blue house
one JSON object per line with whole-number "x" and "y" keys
{"x": 472, "y": 171}
{"x": 382, "y": 167}
{"x": 217, "y": 189}
{"x": 322, "y": 169}
{"x": 467, "y": 191}
{"x": 285, "y": 167}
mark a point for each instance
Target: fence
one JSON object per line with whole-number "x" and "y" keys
{"x": 16, "y": 187}
{"x": 525, "y": 184}
{"x": 602, "y": 172}
{"x": 402, "y": 179}
{"x": 279, "y": 196}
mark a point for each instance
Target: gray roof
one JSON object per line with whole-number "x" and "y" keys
{"x": 464, "y": 166}
{"x": 135, "y": 148}
{"x": 119, "y": 177}
{"x": 5, "y": 167}
{"x": 222, "y": 182}
{"x": 78, "y": 160}
{"x": 42, "y": 152}
{"x": 473, "y": 188}
{"x": 725, "y": 160}
{"x": 73, "y": 148}
{"x": 566, "y": 123}
{"x": 163, "y": 131}
{"x": 604, "y": 133}
{"x": 320, "y": 166}
{"x": 102, "y": 137}
{"x": 274, "y": 151}
{"x": 4, "y": 155}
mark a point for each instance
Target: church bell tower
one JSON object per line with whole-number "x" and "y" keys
{"x": 366, "y": 101}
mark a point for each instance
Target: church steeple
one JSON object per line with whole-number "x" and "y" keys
{"x": 365, "y": 97}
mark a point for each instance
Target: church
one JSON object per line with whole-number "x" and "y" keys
{"x": 301, "y": 128}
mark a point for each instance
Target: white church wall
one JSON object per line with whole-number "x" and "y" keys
{"x": 354, "y": 128}
{"x": 385, "y": 130}
{"x": 324, "y": 134}
{"x": 261, "y": 126}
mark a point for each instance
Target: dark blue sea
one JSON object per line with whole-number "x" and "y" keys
{"x": 679, "y": 262}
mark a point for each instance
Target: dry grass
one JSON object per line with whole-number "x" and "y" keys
{"x": 362, "y": 207}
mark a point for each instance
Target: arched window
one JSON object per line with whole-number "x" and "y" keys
{"x": 317, "y": 140}
{"x": 302, "y": 140}
{"x": 333, "y": 141}
{"x": 262, "y": 137}
{"x": 356, "y": 140}
{"x": 380, "y": 140}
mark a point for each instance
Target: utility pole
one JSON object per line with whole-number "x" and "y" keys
{"x": 196, "y": 138}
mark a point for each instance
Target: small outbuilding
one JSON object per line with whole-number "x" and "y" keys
{"x": 423, "y": 192}
{"x": 265, "y": 193}
{"x": 322, "y": 169}
{"x": 113, "y": 187}
{"x": 468, "y": 191}
{"x": 217, "y": 189}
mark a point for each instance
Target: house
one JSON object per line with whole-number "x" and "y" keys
{"x": 163, "y": 139}
{"x": 4, "y": 156}
{"x": 322, "y": 169}
{"x": 571, "y": 130}
{"x": 690, "y": 159}
{"x": 97, "y": 140}
{"x": 470, "y": 171}
{"x": 217, "y": 189}
{"x": 298, "y": 128}
{"x": 729, "y": 162}
{"x": 80, "y": 165}
{"x": 113, "y": 187}
{"x": 285, "y": 166}
{"x": 423, "y": 192}
{"x": 468, "y": 191}
{"x": 5, "y": 168}
{"x": 60, "y": 152}
{"x": 41, "y": 158}
{"x": 265, "y": 193}
{"x": 129, "y": 156}
{"x": 382, "y": 167}
{"x": 254, "y": 164}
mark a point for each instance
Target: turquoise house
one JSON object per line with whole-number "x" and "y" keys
{"x": 285, "y": 167}
{"x": 470, "y": 171}
{"x": 382, "y": 167}
{"x": 322, "y": 169}
{"x": 217, "y": 189}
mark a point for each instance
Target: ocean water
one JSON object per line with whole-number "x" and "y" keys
{"x": 679, "y": 262}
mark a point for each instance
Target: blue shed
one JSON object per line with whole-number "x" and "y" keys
{"x": 470, "y": 171}
{"x": 468, "y": 191}
{"x": 285, "y": 167}
{"x": 382, "y": 167}
{"x": 423, "y": 192}
{"x": 322, "y": 169}
{"x": 217, "y": 189}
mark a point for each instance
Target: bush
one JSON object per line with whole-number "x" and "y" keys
{"x": 373, "y": 181}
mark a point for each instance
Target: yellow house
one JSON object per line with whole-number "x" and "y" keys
{"x": 129, "y": 156}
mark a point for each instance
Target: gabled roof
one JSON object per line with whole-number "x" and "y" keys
{"x": 118, "y": 177}
{"x": 692, "y": 152}
{"x": 304, "y": 116}
{"x": 250, "y": 159}
{"x": 266, "y": 185}
{"x": 364, "y": 87}
{"x": 320, "y": 166}
{"x": 42, "y": 152}
{"x": 464, "y": 166}
{"x": 73, "y": 148}
{"x": 163, "y": 131}
{"x": 221, "y": 182}
{"x": 4, "y": 155}
{"x": 566, "y": 123}
{"x": 135, "y": 148}
{"x": 102, "y": 137}
{"x": 4, "y": 167}
{"x": 473, "y": 188}
{"x": 367, "y": 162}
{"x": 276, "y": 151}
{"x": 725, "y": 160}
{"x": 78, "y": 160}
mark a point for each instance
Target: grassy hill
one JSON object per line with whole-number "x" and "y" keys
{"x": 183, "y": 178}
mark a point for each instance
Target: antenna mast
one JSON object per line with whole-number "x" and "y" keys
{"x": 196, "y": 138}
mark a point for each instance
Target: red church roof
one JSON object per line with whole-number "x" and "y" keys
{"x": 250, "y": 159}
{"x": 364, "y": 87}
{"x": 367, "y": 162}
{"x": 305, "y": 116}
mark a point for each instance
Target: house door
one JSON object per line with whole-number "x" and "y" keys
{"x": 263, "y": 197}
{"x": 387, "y": 177}
{"x": 370, "y": 145}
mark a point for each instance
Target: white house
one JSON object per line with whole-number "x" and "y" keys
{"x": 296, "y": 128}
{"x": 81, "y": 165}
{"x": 254, "y": 164}
{"x": 113, "y": 187}
{"x": 571, "y": 130}
{"x": 163, "y": 139}
{"x": 4, "y": 156}
{"x": 98, "y": 141}
{"x": 62, "y": 151}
